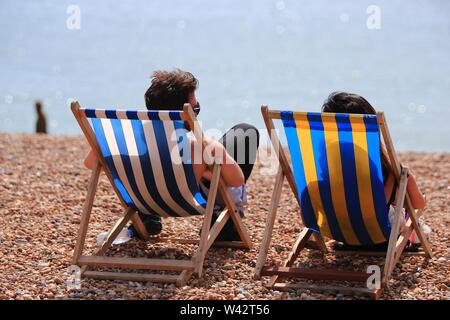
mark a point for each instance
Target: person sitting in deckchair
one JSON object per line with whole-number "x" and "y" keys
{"x": 343, "y": 102}
{"x": 170, "y": 90}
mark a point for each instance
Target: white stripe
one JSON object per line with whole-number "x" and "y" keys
{"x": 164, "y": 115}
{"x": 112, "y": 144}
{"x": 143, "y": 116}
{"x": 137, "y": 169}
{"x": 100, "y": 113}
{"x": 177, "y": 165}
{"x": 121, "y": 114}
{"x": 158, "y": 170}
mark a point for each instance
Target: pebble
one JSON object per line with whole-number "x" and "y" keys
{"x": 45, "y": 212}
{"x": 43, "y": 264}
{"x": 304, "y": 296}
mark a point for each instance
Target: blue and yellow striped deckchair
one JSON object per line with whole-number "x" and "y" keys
{"x": 146, "y": 156}
{"x": 338, "y": 182}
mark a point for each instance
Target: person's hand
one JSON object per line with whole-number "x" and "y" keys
{"x": 90, "y": 160}
{"x": 215, "y": 153}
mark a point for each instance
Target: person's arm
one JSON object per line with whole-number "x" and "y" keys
{"x": 389, "y": 185}
{"x": 231, "y": 172}
{"x": 90, "y": 160}
{"x": 417, "y": 198}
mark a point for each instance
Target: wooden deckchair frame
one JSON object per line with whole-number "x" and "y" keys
{"x": 397, "y": 239}
{"x": 185, "y": 267}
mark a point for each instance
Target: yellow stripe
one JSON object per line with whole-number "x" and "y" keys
{"x": 363, "y": 177}
{"x": 337, "y": 180}
{"x": 305, "y": 141}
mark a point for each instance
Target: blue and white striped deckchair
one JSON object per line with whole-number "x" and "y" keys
{"x": 147, "y": 157}
{"x": 338, "y": 182}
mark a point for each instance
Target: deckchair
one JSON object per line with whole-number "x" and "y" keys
{"x": 336, "y": 178}
{"x": 146, "y": 157}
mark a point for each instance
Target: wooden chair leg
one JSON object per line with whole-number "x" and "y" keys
{"x": 320, "y": 243}
{"x": 200, "y": 255}
{"x": 87, "y": 209}
{"x": 402, "y": 241}
{"x": 353, "y": 291}
{"x": 398, "y": 219}
{"x": 396, "y": 166}
{"x": 216, "y": 228}
{"x": 417, "y": 228}
{"x": 270, "y": 221}
{"x": 112, "y": 235}
{"x": 293, "y": 255}
{"x": 234, "y": 215}
{"x": 183, "y": 278}
{"x": 114, "y": 232}
{"x": 139, "y": 226}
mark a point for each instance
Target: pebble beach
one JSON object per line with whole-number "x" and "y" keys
{"x": 43, "y": 184}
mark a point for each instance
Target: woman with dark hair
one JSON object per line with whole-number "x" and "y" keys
{"x": 344, "y": 102}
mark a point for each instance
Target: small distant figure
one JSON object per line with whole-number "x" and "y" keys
{"x": 41, "y": 124}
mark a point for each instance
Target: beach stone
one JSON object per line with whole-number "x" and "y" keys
{"x": 43, "y": 264}
{"x": 37, "y": 236}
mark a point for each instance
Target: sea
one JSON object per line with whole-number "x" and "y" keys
{"x": 287, "y": 54}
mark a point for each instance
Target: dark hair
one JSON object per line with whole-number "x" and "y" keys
{"x": 344, "y": 102}
{"x": 170, "y": 90}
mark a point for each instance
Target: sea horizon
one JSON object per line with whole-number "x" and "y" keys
{"x": 286, "y": 54}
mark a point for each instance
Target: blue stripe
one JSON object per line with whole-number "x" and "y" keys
{"x": 106, "y": 153}
{"x": 343, "y": 120}
{"x": 376, "y": 175}
{"x": 323, "y": 177}
{"x": 132, "y": 115}
{"x": 153, "y": 115}
{"x": 147, "y": 170}
{"x": 371, "y": 123}
{"x": 166, "y": 163}
{"x": 309, "y": 217}
{"x": 288, "y": 119}
{"x": 175, "y": 115}
{"x": 184, "y": 146}
{"x": 350, "y": 178}
{"x": 111, "y": 114}
{"x": 90, "y": 113}
{"x": 124, "y": 155}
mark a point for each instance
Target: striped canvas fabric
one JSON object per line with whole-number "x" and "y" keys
{"x": 148, "y": 155}
{"x": 337, "y": 169}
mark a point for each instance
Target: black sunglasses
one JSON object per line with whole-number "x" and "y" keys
{"x": 196, "y": 109}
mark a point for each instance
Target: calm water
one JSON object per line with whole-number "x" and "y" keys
{"x": 287, "y": 54}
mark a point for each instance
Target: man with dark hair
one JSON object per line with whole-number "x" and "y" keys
{"x": 170, "y": 90}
